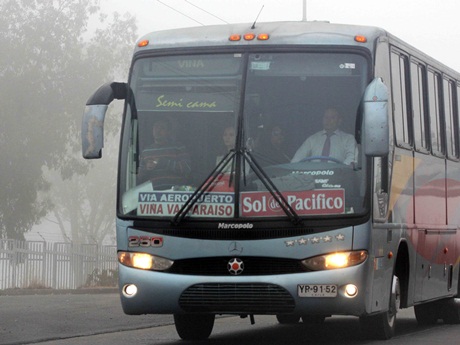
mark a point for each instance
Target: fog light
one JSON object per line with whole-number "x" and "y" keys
{"x": 351, "y": 290}
{"x": 129, "y": 290}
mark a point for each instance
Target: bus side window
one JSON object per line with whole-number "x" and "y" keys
{"x": 418, "y": 89}
{"x": 434, "y": 104}
{"x": 400, "y": 100}
{"x": 450, "y": 119}
{"x": 456, "y": 119}
{"x": 381, "y": 195}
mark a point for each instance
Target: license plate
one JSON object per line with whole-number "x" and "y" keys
{"x": 316, "y": 290}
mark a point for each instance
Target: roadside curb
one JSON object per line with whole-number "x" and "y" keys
{"x": 81, "y": 291}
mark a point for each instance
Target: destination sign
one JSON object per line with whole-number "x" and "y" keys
{"x": 311, "y": 202}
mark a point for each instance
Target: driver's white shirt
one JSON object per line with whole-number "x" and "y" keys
{"x": 343, "y": 147}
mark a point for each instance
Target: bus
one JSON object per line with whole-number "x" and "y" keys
{"x": 216, "y": 217}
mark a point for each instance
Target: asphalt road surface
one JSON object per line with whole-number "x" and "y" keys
{"x": 98, "y": 319}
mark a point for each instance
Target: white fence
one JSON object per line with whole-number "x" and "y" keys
{"x": 30, "y": 264}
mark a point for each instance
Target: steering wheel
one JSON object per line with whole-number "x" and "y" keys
{"x": 323, "y": 158}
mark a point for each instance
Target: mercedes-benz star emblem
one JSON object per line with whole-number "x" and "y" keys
{"x": 235, "y": 248}
{"x": 235, "y": 266}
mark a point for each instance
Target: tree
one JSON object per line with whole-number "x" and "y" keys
{"x": 50, "y": 64}
{"x": 84, "y": 205}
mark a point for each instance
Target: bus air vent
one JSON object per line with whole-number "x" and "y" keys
{"x": 240, "y": 298}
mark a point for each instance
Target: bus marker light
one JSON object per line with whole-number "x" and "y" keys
{"x": 249, "y": 37}
{"x": 263, "y": 37}
{"x": 234, "y": 37}
{"x": 360, "y": 39}
{"x": 390, "y": 255}
{"x": 143, "y": 43}
{"x": 129, "y": 290}
{"x": 446, "y": 250}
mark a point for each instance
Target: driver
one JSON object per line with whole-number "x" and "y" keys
{"x": 329, "y": 142}
{"x": 165, "y": 163}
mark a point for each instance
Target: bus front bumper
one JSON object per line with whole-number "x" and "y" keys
{"x": 310, "y": 293}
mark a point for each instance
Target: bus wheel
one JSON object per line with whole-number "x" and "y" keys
{"x": 451, "y": 311}
{"x": 287, "y": 319}
{"x": 194, "y": 326}
{"x": 383, "y": 326}
{"x": 426, "y": 314}
{"x": 313, "y": 319}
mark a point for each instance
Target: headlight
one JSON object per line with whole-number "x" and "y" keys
{"x": 335, "y": 260}
{"x": 144, "y": 261}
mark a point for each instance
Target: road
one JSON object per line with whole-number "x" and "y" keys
{"x": 97, "y": 319}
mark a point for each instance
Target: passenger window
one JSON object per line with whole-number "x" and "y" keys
{"x": 434, "y": 112}
{"x": 418, "y": 89}
{"x": 399, "y": 87}
{"x": 451, "y": 119}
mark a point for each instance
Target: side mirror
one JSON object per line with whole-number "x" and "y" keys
{"x": 92, "y": 128}
{"x": 92, "y": 131}
{"x": 375, "y": 129}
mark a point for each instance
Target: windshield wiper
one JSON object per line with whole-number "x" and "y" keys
{"x": 271, "y": 187}
{"x": 260, "y": 173}
{"x": 204, "y": 187}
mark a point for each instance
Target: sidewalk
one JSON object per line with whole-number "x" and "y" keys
{"x": 80, "y": 291}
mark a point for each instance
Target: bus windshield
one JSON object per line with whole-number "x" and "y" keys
{"x": 244, "y": 135}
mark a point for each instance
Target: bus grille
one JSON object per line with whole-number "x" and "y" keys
{"x": 241, "y": 298}
{"x": 253, "y": 266}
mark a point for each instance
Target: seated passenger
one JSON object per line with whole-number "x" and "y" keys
{"x": 330, "y": 142}
{"x": 228, "y": 138}
{"x": 272, "y": 147}
{"x": 165, "y": 163}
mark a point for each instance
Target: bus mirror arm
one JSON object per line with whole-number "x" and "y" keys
{"x": 92, "y": 128}
{"x": 375, "y": 126}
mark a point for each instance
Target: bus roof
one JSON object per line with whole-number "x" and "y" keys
{"x": 296, "y": 33}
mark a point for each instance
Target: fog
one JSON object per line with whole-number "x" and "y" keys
{"x": 431, "y": 26}
{"x": 52, "y": 59}
{"x": 55, "y": 54}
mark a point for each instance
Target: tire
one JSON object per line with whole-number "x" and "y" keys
{"x": 448, "y": 310}
{"x": 313, "y": 319}
{"x": 287, "y": 319}
{"x": 383, "y": 326}
{"x": 426, "y": 314}
{"x": 451, "y": 311}
{"x": 194, "y": 326}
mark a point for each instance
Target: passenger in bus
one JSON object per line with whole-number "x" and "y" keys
{"x": 272, "y": 147}
{"x": 165, "y": 163}
{"x": 329, "y": 142}
{"x": 228, "y": 138}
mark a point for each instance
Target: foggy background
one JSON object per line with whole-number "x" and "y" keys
{"x": 55, "y": 53}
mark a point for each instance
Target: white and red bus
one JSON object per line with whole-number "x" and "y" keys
{"x": 215, "y": 216}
